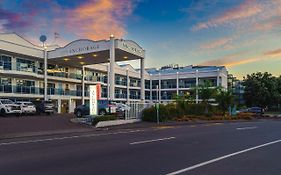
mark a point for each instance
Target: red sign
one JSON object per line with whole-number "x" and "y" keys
{"x": 99, "y": 91}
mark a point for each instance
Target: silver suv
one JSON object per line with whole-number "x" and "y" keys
{"x": 9, "y": 107}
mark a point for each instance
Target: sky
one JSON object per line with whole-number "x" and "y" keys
{"x": 243, "y": 35}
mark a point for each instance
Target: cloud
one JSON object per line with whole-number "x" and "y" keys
{"x": 273, "y": 53}
{"x": 222, "y": 42}
{"x": 11, "y": 21}
{"x": 91, "y": 19}
{"x": 247, "y": 9}
{"x": 236, "y": 59}
{"x": 97, "y": 19}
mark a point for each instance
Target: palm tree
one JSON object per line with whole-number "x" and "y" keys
{"x": 224, "y": 99}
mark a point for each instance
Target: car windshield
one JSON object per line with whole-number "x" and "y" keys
{"x": 7, "y": 102}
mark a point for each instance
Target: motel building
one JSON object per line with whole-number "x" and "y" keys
{"x": 73, "y": 68}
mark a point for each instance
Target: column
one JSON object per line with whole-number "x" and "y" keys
{"x": 59, "y": 105}
{"x": 71, "y": 105}
{"x": 14, "y": 63}
{"x": 142, "y": 81}
{"x": 159, "y": 88}
{"x": 197, "y": 83}
{"x": 45, "y": 73}
{"x": 218, "y": 77}
{"x": 83, "y": 85}
{"x": 112, "y": 72}
{"x": 150, "y": 89}
{"x": 108, "y": 85}
{"x": 128, "y": 85}
{"x": 177, "y": 83}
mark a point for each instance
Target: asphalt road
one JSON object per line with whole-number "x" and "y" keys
{"x": 222, "y": 148}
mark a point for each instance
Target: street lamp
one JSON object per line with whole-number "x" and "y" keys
{"x": 43, "y": 39}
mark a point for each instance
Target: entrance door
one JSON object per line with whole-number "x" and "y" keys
{"x": 64, "y": 106}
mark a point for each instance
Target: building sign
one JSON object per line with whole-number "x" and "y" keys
{"x": 95, "y": 95}
{"x": 99, "y": 91}
{"x": 83, "y": 49}
{"x": 93, "y": 100}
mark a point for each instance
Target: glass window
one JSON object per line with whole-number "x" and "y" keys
{"x": 25, "y": 65}
{"x": 27, "y": 83}
{"x": 5, "y": 62}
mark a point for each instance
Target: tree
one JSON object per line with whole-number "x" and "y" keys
{"x": 260, "y": 89}
{"x": 206, "y": 92}
{"x": 224, "y": 99}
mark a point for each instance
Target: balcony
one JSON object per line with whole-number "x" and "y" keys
{"x": 121, "y": 96}
{"x": 133, "y": 96}
{"x": 39, "y": 91}
{"x": 120, "y": 82}
{"x": 168, "y": 86}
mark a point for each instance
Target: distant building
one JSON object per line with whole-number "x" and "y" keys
{"x": 174, "y": 80}
{"x": 237, "y": 89}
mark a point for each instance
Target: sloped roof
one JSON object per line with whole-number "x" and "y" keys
{"x": 17, "y": 39}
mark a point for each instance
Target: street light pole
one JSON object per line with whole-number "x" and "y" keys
{"x": 157, "y": 104}
{"x": 43, "y": 39}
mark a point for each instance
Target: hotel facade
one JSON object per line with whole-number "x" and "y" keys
{"x": 73, "y": 68}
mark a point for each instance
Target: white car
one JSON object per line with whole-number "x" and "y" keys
{"x": 27, "y": 107}
{"x": 9, "y": 107}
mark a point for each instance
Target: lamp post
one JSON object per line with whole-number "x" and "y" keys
{"x": 43, "y": 39}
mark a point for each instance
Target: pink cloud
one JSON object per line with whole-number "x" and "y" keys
{"x": 222, "y": 42}
{"x": 98, "y": 19}
{"x": 247, "y": 9}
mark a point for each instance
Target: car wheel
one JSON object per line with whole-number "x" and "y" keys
{"x": 102, "y": 112}
{"x": 79, "y": 114}
{"x": 3, "y": 112}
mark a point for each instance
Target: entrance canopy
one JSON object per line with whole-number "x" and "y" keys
{"x": 87, "y": 52}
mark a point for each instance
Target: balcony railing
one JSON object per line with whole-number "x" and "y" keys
{"x": 168, "y": 86}
{"x": 132, "y": 96}
{"x": 122, "y": 83}
{"x": 120, "y": 95}
{"x": 39, "y": 91}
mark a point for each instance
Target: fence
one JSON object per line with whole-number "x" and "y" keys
{"x": 136, "y": 109}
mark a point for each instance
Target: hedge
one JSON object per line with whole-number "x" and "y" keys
{"x": 173, "y": 110}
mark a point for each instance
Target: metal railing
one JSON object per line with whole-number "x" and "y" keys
{"x": 39, "y": 91}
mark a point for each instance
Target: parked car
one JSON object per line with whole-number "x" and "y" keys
{"x": 27, "y": 107}
{"x": 104, "y": 107}
{"x": 121, "y": 109}
{"x": 46, "y": 107}
{"x": 9, "y": 107}
{"x": 256, "y": 110}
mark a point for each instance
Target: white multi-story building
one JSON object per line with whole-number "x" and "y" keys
{"x": 72, "y": 68}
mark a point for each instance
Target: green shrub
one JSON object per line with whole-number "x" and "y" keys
{"x": 103, "y": 118}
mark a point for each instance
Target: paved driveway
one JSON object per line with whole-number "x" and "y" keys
{"x": 33, "y": 124}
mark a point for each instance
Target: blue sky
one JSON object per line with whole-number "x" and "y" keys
{"x": 243, "y": 35}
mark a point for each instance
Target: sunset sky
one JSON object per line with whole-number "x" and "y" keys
{"x": 243, "y": 35}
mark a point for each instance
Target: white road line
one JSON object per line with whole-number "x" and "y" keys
{"x": 223, "y": 157}
{"x": 154, "y": 140}
{"x": 247, "y": 128}
{"x": 67, "y": 137}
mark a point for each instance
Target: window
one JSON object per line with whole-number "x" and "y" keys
{"x": 25, "y": 65}
{"x": 5, "y": 62}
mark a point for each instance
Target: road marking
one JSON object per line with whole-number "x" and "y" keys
{"x": 67, "y": 137}
{"x": 223, "y": 157}
{"x": 247, "y": 128}
{"x": 154, "y": 140}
